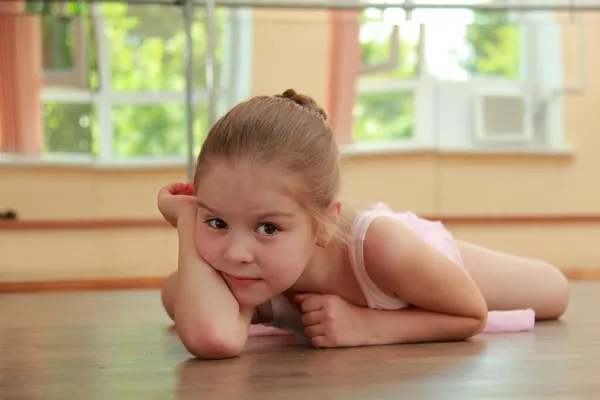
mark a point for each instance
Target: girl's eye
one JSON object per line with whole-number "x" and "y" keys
{"x": 267, "y": 229}
{"x": 216, "y": 223}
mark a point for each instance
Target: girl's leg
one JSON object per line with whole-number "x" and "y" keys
{"x": 509, "y": 282}
{"x": 168, "y": 294}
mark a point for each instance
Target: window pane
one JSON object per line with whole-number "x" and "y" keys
{"x": 156, "y": 130}
{"x": 58, "y": 47}
{"x": 384, "y": 116}
{"x": 462, "y": 44}
{"x": 147, "y": 47}
{"x": 376, "y": 46}
{"x": 494, "y": 46}
{"x": 68, "y": 127}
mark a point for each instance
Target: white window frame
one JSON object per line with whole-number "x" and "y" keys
{"x": 234, "y": 87}
{"x": 446, "y": 118}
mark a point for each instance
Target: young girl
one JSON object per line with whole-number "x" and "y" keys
{"x": 263, "y": 238}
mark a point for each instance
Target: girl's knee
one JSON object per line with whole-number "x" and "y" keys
{"x": 563, "y": 293}
{"x": 558, "y": 293}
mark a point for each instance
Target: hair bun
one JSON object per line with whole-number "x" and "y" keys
{"x": 306, "y": 102}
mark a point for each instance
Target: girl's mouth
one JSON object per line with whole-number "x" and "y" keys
{"x": 241, "y": 280}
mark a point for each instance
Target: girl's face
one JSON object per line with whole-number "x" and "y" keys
{"x": 252, "y": 231}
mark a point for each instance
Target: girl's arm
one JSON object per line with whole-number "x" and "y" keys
{"x": 416, "y": 325}
{"x": 209, "y": 320}
{"x": 448, "y": 305}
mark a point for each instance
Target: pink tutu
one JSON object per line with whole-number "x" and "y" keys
{"x": 437, "y": 236}
{"x": 263, "y": 330}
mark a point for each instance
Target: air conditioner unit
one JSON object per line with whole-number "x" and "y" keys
{"x": 503, "y": 114}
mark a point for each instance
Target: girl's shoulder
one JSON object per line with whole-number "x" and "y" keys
{"x": 368, "y": 223}
{"x": 393, "y": 243}
{"x": 377, "y": 236}
{"x": 379, "y": 226}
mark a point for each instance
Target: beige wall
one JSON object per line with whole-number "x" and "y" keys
{"x": 425, "y": 183}
{"x": 290, "y": 50}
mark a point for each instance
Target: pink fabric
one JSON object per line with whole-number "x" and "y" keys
{"x": 437, "y": 236}
{"x": 262, "y": 330}
{"x": 510, "y": 321}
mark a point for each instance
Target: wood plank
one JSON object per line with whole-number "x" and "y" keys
{"x": 120, "y": 345}
{"x": 79, "y": 285}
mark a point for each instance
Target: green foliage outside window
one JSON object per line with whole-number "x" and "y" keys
{"x": 147, "y": 49}
{"x": 493, "y": 44}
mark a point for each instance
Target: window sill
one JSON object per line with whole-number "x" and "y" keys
{"x": 75, "y": 161}
{"x": 391, "y": 148}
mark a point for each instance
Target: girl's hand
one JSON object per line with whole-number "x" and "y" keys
{"x": 174, "y": 197}
{"x": 331, "y": 321}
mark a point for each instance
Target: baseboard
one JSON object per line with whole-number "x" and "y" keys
{"x": 156, "y": 282}
{"x": 103, "y": 224}
{"x": 82, "y": 285}
{"x": 590, "y": 274}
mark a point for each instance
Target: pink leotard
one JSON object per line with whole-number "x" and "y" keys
{"x": 287, "y": 317}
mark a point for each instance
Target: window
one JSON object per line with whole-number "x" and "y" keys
{"x": 132, "y": 106}
{"x": 459, "y": 79}
{"x": 64, "y": 49}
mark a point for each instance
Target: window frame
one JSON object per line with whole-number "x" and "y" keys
{"x": 76, "y": 76}
{"x": 540, "y": 81}
{"x": 234, "y": 86}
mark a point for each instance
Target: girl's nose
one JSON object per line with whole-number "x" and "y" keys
{"x": 239, "y": 251}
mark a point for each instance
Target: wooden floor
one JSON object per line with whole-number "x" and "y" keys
{"x": 119, "y": 345}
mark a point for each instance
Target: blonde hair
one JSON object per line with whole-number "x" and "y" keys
{"x": 290, "y": 131}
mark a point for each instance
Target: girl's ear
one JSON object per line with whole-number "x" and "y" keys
{"x": 336, "y": 212}
{"x": 332, "y": 219}
{"x": 323, "y": 237}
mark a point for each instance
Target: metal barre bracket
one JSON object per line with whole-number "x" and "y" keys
{"x": 570, "y": 5}
{"x": 408, "y": 6}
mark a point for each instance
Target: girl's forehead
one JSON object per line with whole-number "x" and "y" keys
{"x": 246, "y": 176}
{"x": 247, "y": 185}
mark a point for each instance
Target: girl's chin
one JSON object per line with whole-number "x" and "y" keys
{"x": 255, "y": 294}
{"x": 246, "y": 299}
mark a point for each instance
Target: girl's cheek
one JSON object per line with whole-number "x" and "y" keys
{"x": 205, "y": 249}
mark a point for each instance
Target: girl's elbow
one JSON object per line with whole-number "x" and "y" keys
{"x": 476, "y": 323}
{"x": 480, "y": 323}
{"x": 212, "y": 345}
{"x": 480, "y": 315}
